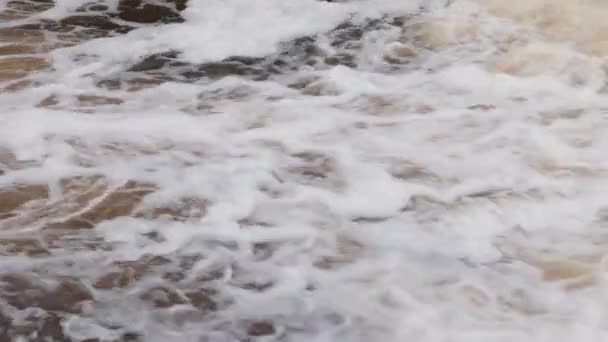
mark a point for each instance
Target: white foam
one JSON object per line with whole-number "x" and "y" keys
{"x": 500, "y": 151}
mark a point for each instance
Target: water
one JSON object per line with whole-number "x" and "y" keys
{"x": 300, "y": 170}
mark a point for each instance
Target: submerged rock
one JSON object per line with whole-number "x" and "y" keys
{"x": 22, "y": 291}
{"x": 260, "y": 328}
{"x": 20, "y": 9}
{"x": 121, "y": 202}
{"x": 154, "y": 62}
{"x": 14, "y": 197}
{"x": 12, "y": 68}
{"x": 96, "y": 19}
{"x": 37, "y": 326}
{"x": 226, "y": 68}
{"x": 17, "y": 49}
{"x": 163, "y": 297}
{"x": 101, "y": 22}
{"x": 306, "y": 52}
{"x": 93, "y": 7}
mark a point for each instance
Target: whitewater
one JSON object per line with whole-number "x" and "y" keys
{"x": 304, "y": 171}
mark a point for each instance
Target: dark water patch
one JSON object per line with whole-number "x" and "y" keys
{"x": 143, "y": 12}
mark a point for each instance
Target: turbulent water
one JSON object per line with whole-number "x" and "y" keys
{"x": 303, "y": 170}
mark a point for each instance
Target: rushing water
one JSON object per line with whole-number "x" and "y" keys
{"x": 303, "y": 170}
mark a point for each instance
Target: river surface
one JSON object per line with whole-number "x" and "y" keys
{"x": 304, "y": 171}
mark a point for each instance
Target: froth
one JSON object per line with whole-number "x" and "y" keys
{"x": 412, "y": 170}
